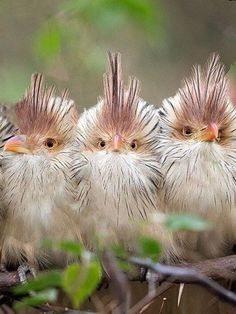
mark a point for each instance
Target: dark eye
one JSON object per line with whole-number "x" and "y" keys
{"x": 187, "y": 131}
{"x": 134, "y": 145}
{"x": 219, "y": 136}
{"x": 50, "y": 143}
{"x": 101, "y": 144}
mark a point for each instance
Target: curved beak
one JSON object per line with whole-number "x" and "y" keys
{"x": 17, "y": 144}
{"x": 210, "y": 133}
{"x": 116, "y": 142}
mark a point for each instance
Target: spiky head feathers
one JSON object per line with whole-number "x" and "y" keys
{"x": 7, "y": 129}
{"x": 119, "y": 108}
{"x": 40, "y": 111}
{"x": 42, "y": 115}
{"x": 121, "y": 116}
{"x": 202, "y": 102}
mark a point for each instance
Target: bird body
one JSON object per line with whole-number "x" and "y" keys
{"x": 119, "y": 175}
{"x": 38, "y": 193}
{"x": 197, "y": 145}
{"x": 7, "y": 130}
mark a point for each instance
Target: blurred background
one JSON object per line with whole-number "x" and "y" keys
{"x": 67, "y": 40}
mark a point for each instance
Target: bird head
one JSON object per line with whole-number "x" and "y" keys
{"x": 46, "y": 123}
{"x": 121, "y": 123}
{"x": 197, "y": 142}
{"x": 118, "y": 139}
{"x": 37, "y": 158}
{"x": 202, "y": 111}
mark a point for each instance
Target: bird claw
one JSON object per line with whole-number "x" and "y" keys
{"x": 152, "y": 277}
{"x": 143, "y": 274}
{"x": 3, "y": 268}
{"x": 24, "y": 270}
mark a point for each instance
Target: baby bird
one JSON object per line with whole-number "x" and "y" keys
{"x": 37, "y": 189}
{"x": 7, "y": 130}
{"x": 198, "y": 150}
{"x": 118, "y": 176}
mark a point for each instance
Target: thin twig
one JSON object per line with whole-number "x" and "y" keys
{"x": 119, "y": 279}
{"x": 150, "y": 298}
{"x": 176, "y": 274}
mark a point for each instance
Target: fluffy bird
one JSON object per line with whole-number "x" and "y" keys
{"x": 198, "y": 150}
{"x": 37, "y": 188}
{"x": 118, "y": 176}
{"x": 7, "y": 130}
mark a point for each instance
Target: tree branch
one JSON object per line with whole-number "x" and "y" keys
{"x": 119, "y": 279}
{"x": 198, "y": 273}
{"x": 176, "y": 274}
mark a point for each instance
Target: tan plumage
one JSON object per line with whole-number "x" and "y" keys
{"x": 38, "y": 193}
{"x": 118, "y": 176}
{"x": 197, "y": 145}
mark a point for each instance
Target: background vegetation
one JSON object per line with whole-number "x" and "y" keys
{"x": 68, "y": 39}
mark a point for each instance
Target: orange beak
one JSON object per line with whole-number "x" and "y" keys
{"x": 210, "y": 133}
{"x": 17, "y": 144}
{"x": 116, "y": 142}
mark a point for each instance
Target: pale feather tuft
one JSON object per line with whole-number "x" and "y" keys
{"x": 41, "y": 112}
{"x": 7, "y": 129}
{"x": 119, "y": 103}
{"x": 204, "y": 96}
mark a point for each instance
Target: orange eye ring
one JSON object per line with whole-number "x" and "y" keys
{"x": 134, "y": 145}
{"x": 187, "y": 131}
{"x": 50, "y": 143}
{"x": 101, "y": 144}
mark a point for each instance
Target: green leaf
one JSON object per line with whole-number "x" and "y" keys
{"x": 14, "y": 80}
{"x": 119, "y": 251}
{"x": 232, "y": 70}
{"x": 72, "y": 247}
{"x": 79, "y": 281}
{"x": 177, "y": 222}
{"x": 125, "y": 266}
{"x": 149, "y": 248}
{"x": 36, "y": 299}
{"x": 47, "y": 42}
{"x": 42, "y": 281}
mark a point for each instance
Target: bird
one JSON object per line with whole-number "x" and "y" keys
{"x": 198, "y": 159}
{"x": 37, "y": 190}
{"x": 115, "y": 162}
{"x": 7, "y": 130}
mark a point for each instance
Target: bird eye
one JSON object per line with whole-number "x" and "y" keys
{"x": 101, "y": 144}
{"x": 50, "y": 143}
{"x": 187, "y": 131}
{"x": 219, "y": 136}
{"x": 134, "y": 145}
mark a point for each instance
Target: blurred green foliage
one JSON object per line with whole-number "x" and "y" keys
{"x": 80, "y": 279}
{"x": 74, "y": 35}
{"x": 35, "y": 299}
{"x": 150, "y": 248}
{"x": 76, "y": 25}
{"x": 177, "y": 222}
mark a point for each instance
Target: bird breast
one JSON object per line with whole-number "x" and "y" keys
{"x": 32, "y": 188}
{"x": 199, "y": 177}
{"x": 121, "y": 188}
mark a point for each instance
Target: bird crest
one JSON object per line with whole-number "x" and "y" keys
{"x": 40, "y": 111}
{"x": 204, "y": 95}
{"x": 119, "y": 107}
{"x": 7, "y": 129}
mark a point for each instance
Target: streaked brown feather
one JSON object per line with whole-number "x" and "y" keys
{"x": 38, "y": 112}
{"x": 119, "y": 103}
{"x": 204, "y": 96}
